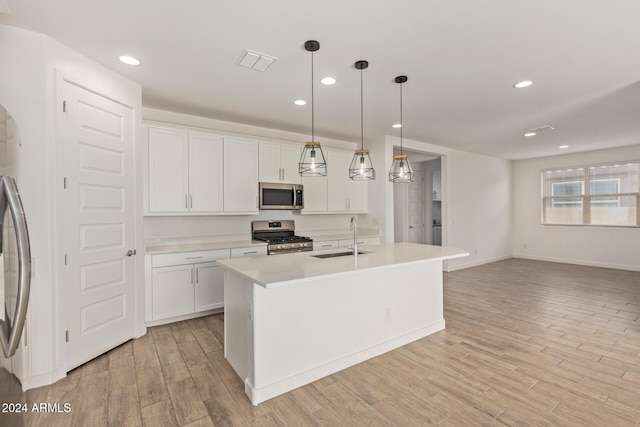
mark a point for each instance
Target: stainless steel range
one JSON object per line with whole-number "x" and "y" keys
{"x": 280, "y": 237}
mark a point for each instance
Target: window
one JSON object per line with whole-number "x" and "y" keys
{"x": 612, "y": 197}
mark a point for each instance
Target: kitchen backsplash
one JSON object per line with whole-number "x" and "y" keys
{"x": 188, "y": 226}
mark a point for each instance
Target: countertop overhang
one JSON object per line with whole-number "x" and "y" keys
{"x": 272, "y": 271}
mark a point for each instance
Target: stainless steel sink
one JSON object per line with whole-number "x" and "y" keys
{"x": 337, "y": 254}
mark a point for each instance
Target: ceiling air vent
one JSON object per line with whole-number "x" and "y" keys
{"x": 541, "y": 129}
{"x": 255, "y": 60}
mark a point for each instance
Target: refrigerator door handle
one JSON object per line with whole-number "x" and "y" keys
{"x": 11, "y": 329}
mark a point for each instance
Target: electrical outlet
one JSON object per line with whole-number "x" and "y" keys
{"x": 524, "y": 246}
{"x": 476, "y": 252}
{"x": 387, "y": 314}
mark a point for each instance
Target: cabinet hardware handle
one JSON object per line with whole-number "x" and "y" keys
{"x": 252, "y": 252}
{"x": 186, "y": 201}
{"x": 326, "y": 246}
{"x": 197, "y": 269}
{"x": 194, "y": 257}
{"x": 190, "y": 200}
{"x": 131, "y": 252}
{"x": 192, "y": 276}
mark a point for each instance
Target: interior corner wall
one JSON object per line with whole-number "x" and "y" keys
{"x": 28, "y": 65}
{"x": 476, "y": 203}
{"x": 612, "y": 247}
{"x": 23, "y": 92}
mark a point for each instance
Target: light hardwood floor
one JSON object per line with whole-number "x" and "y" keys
{"x": 526, "y": 343}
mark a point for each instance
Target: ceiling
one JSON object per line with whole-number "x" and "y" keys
{"x": 461, "y": 57}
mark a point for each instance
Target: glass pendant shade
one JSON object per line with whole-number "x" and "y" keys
{"x": 401, "y": 170}
{"x": 361, "y": 167}
{"x": 312, "y": 162}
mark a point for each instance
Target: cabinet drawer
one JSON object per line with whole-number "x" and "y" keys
{"x": 327, "y": 244}
{"x": 179, "y": 258}
{"x": 361, "y": 241}
{"x": 249, "y": 251}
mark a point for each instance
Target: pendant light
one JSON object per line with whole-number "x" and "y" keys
{"x": 401, "y": 170}
{"x": 312, "y": 162}
{"x": 361, "y": 167}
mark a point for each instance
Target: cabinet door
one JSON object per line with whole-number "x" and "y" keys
{"x": 270, "y": 170}
{"x": 240, "y": 176}
{"x": 173, "y": 291}
{"x": 315, "y": 193}
{"x": 357, "y": 190}
{"x": 209, "y": 289}
{"x": 337, "y": 176}
{"x": 168, "y": 170}
{"x": 205, "y": 173}
{"x": 289, "y": 159}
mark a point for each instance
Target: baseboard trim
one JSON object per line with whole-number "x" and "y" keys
{"x": 258, "y": 395}
{"x": 578, "y": 262}
{"x": 450, "y": 268}
{"x": 40, "y": 380}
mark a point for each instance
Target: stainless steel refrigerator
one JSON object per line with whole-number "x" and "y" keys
{"x": 15, "y": 280}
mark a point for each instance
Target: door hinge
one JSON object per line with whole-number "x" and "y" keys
{"x": 64, "y": 183}
{"x": 66, "y": 335}
{"x": 66, "y": 259}
{"x": 64, "y": 106}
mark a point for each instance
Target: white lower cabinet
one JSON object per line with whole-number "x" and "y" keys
{"x": 361, "y": 241}
{"x": 186, "y": 283}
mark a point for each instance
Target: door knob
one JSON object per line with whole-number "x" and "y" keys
{"x": 131, "y": 252}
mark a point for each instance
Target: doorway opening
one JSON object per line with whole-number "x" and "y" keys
{"x": 417, "y": 206}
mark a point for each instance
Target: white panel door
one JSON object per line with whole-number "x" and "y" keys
{"x": 168, "y": 170}
{"x": 240, "y": 176}
{"x": 205, "y": 173}
{"x": 415, "y": 208}
{"x": 289, "y": 159}
{"x": 97, "y": 218}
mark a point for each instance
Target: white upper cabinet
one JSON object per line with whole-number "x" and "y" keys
{"x": 168, "y": 170}
{"x": 205, "y": 173}
{"x": 315, "y": 194}
{"x": 240, "y": 176}
{"x": 344, "y": 194}
{"x": 335, "y": 193}
{"x": 279, "y": 163}
{"x": 185, "y": 171}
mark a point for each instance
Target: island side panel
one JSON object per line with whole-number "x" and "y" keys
{"x": 238, "y": 326}
{"x": 306, "y": 331}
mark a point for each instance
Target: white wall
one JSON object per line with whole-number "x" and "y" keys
{"x": 184, "y": 226}
{"x": 597, "y": 246}
{"x": 476, "y": 200}
{"x": 28, "y": 64}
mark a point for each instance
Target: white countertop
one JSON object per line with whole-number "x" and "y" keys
{"x": 201, "y": 243}
{"x": 273, "y": 271}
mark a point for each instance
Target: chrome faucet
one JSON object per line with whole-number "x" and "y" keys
{"x": 354, "y": 227}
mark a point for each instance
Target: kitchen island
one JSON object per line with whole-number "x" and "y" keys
{"x": 294, "y": 318}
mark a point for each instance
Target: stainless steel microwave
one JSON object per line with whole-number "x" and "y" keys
{"x": 280, "y": 196}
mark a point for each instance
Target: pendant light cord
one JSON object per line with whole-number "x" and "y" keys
{"x": 401, "y": 124}
{"x": 313, "y": 139}
{"x": 361, "y": 114}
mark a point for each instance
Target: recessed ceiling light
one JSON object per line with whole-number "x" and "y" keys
{"x": 530, "y": 134}
{"x": 328, "y": 81}
{"x": 523, "y": 84}
{"x": 397, "y": 125}
{"x": 300, "y": 102}
{"x": 563, "y": 147}
{"x": 129, "y": 60}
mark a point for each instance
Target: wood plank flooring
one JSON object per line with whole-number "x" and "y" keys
{"x": 527, "y": 343}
